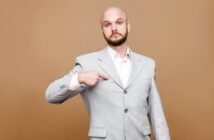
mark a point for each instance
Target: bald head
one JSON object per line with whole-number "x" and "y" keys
{"x": 112, "y": 13}
{"x": 115, "y": 26}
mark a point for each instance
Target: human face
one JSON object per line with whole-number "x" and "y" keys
{"x": 115, "y": 27}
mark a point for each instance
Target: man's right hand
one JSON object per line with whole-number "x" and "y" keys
{"x": 91, "y": 78}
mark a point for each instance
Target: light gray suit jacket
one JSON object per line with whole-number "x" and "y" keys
{"x": 117, "y": 112}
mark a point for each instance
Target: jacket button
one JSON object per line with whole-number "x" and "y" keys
{"x": 125, "y": 91}
{"x": 126, "y": 110}
{"x": 62, "y": 86}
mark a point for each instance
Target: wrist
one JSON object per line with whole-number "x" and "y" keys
{"x": 80, "y": 78}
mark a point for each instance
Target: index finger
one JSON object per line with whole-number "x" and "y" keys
{"x": 102, "y": 76}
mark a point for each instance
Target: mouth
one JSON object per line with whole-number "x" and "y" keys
{"x": 115, "y": 35}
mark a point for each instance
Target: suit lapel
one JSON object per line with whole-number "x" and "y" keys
{"x": 136, "y": 68}
{"x": 106, "y": 64}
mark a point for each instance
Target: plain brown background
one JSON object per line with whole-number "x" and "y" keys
{"x": 39, "y": 40}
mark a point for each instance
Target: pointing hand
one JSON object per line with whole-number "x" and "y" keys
{"x": 91, "y": 78}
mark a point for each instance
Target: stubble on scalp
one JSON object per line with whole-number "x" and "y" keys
{"x": 115, "y": 9}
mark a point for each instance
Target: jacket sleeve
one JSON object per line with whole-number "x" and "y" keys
{"x": 58, "y": 91}
{"x": 156, "y": 112}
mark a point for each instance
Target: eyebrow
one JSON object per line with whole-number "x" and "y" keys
{"x": 115, "y": 20}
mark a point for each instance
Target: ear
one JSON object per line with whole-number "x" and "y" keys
{"x": 128, "y": 26}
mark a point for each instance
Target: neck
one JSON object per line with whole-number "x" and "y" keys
{"x": 121, "y": 50}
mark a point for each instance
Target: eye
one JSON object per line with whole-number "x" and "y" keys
{"x": 119, "y": 22}
{"x": 106, "y": 24}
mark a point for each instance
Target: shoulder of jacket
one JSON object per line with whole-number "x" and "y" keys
{"x": 88, "y": 56}
{"x": 146, "y": 58}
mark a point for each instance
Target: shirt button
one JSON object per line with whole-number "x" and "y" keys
{"x": 125, "y": 91}
{"x": 126, "y": 110}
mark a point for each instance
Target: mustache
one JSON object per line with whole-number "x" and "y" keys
{"x": 115, "y": 33}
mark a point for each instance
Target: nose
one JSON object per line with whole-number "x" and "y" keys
{"x": 114, "y": 27}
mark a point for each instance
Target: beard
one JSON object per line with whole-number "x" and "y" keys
{"x": 117, "y": 42}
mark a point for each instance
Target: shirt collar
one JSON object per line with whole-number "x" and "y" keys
{"x": 114, "y": 55}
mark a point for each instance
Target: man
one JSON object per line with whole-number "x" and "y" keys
{"x": 117, "y": 86}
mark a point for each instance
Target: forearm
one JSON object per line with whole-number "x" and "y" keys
{"x": 159, "y": 123}
{"x": 61, "y": 89}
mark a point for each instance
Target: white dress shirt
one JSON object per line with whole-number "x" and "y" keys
{"x": 122, "y": 65}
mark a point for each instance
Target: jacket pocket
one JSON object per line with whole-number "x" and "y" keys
{"x": 97, "y": 132}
